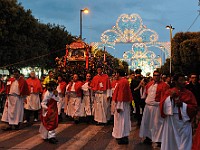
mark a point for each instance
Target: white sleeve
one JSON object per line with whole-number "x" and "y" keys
{"x": 66, "y": 91}
{"x": 120, "y": 105}
{"x": 184, "y": 112}
{"x": 85, "y": 87}
{"x": 168, "y": 108}
{"x": 45, "y": 100}
{"x": 109, "y": 92}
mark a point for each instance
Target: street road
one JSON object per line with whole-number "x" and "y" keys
{"x": 71, "y": 136}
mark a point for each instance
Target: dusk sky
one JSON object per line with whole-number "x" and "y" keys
{"x": 156, "y": 14}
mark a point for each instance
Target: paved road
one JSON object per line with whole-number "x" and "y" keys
{"x": 71, "y": 136}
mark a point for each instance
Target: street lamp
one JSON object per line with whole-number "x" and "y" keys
{"x": 170, "y": 63}
{"x": 85, "y": 11}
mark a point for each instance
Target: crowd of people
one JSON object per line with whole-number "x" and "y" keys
{"x": 167, "y": 109}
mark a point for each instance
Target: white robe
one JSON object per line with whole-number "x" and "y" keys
{"x": 61, "y": 101}
{"x": 102, "y": 107}
{"x": 122, "y": 122}
{"x": 13, "y": 114}
{"x": 177, "y": 134}
{"x": 88, "y": 105}
{"x": 152, "y": 122}
{"x": 75, "y": 107}
{"x": 32, "y": 102}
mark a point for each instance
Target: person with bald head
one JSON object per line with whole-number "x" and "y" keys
{"x": 32, "y": 103}
{"x": 102, "y": 88}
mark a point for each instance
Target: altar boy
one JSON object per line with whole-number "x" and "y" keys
{"x": 49, "y": 116}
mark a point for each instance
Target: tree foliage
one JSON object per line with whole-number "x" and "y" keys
{"x": 185, "y": 53}
{"x": 24, "y": 40}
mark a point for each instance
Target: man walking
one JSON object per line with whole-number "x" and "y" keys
{"x": 152, "y": 122}
{"x": 17, "y": 90}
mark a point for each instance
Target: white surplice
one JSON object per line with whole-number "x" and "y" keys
{"x": 122, "y": 121}
{"x": 102, "y": 107}
{"x": 177, "y": 134}
{"x": 61, "y": 102}
{"x": 75, "y": 106}
{"x": 87, "y": 100}
{"x": 152, "y": 122}
{"x": 33, "y": 102}
{"x": 14, "y": 111}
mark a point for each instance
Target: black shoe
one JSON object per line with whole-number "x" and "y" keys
{"x": 46, "y": 140}
{"x": 53, "y": 141}
{"x": 60, "y": 119}
{"x": 16, "y": 127}
{"x": 123, "y": 141}
{"x": 76, "y": 121}
{"x": 147, "y": 141}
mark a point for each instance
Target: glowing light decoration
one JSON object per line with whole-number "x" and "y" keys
{"x": 130, "y": 29}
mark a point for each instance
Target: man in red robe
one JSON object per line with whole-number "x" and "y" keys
{"x": 32, "y": 103}
{"x": 17, "y": 90}
{"x": 178, "y": 107}
{"x": 122, "y": 99}
{"x": 152, "y": 122}
{"x": 74, "y": 91}
{"x": 61, "y": 94}
{"x": 102, "y": 88}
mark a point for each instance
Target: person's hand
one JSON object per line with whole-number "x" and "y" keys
{"x": 173, "y": 94}
{"x": 55, "y": 92}
{"x": 119, "y": 110}
{"x": 108, "y": 98}
{"x": 177, "y": 102}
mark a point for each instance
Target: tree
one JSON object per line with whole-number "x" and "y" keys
{"x": 27, "y": 42}
{"x": 185, "y": 53}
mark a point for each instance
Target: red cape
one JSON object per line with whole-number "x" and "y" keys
{"x": 62, "y": 86}
{"x": 122, "y": 92}
{"x": 113, "y": 83}
{"x": 196, "y": 140}
{"x": 186, "y": 96}
{"x": 77, "y": 87}
{"x": 37, "y": 87}
{"x": 161, "y": 89}
{"x": 23, "y": 86}
{"x": 50, "y": 121}
{"x": 104, "y": 79}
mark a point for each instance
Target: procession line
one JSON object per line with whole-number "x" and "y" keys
{"x": 80, "y": 139}
{"x": 36, "y": 140}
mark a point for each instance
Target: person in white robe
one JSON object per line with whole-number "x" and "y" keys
{"x": 75, "y": 105}
{"x": 61, "y": 95}
{"x": 88, "y": 99}
{"x": 122, "y": 121}
{"x": 152, "y": 122}
{"x": 32, "y": 103}
{"x": 102, "y": 88}
{"x": 49, "y": 118}
{"x": 17, "y": 90}
{"x": 178, "y": 108}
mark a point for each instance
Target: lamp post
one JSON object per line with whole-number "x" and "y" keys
{"x": 86, "y": 11}
{"x": 170, "y": 63}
